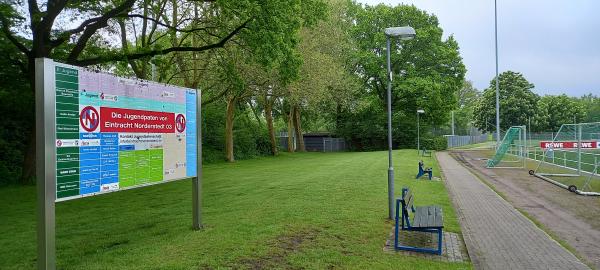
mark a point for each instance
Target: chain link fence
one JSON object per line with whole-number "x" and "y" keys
{"x": 458, "y": 141}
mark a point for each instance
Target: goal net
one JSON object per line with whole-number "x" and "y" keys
{"x": 571, "y": 159}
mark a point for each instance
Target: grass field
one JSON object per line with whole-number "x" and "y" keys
{"x": 309, "y": 210}
{"x": 569, "y": 158}
{"x": 478, "y": 146}
{"x": 564, "y": 162}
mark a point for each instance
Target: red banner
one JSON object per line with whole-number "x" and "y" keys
{"x": 136, "y": 121}
{"x": 569, "y": 145}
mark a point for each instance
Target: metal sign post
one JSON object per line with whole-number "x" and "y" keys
{"x": 45, "y": 167}
{"x": 197, "y": 181}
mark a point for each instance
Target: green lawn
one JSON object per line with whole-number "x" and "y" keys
{"x": 569, "y": 158}
{"x": 477, "y": 146}
{"x": 563, "y": 160}
{"x": 309, "y": 210}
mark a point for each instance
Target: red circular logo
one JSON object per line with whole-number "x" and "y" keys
{"x": 180, "y": 123}
{"x": 89, "y": 118}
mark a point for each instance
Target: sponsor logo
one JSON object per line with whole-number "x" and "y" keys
{"x": 89, "y": 118}
{"x": 180, "y": 123}
{"x": 570, "y": 145}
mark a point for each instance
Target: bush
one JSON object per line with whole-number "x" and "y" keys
{"x": 16, "y": 107}
{"x": 250, "y": 139}
{"x": 436, "y": 143}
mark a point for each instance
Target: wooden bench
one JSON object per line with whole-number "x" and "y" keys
{"x": 426, "y": 153}
{"x": 424, "y": 171}
{"x": 425, "y": 219}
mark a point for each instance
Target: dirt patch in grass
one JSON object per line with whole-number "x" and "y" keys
{"x": 283, "y": 246}
{"x": 570, "y": 218}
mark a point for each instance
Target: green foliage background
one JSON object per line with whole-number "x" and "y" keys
{"x": 324, "y": 58}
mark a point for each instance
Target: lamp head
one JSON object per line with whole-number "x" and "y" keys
{"x": 403, "y": 33}
{"x": 420, "y": 111}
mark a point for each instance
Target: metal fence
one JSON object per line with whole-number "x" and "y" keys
{"x": 334, "y": 145}
{"x": 458, "y": 141}
{"x": 315, "y": 142}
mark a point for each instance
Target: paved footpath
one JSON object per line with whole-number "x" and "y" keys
{"x": 496, "y": 234}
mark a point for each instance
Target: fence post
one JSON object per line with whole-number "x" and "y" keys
{"x": 579, "y": 149}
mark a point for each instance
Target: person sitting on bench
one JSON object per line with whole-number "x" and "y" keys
{"x": 423, "y": 171}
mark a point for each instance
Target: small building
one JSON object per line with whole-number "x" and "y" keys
{"x": 317, "y": 142}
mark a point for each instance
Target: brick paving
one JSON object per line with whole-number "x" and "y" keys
{"x": 498, "y": 236}
{"x": 453, "y": 248}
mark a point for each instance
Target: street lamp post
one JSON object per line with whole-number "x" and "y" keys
{"x": 497, "y": 78}
{"x": 419, "y": 111}
{"x": 403, "y": 33}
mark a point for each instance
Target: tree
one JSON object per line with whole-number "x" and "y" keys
{"x": 427, "y": 72}
{"x": 591, "y": 105}
{"x": 554, "y": 111}
{"x": 16, "y": 101}
{"x": 517, "y": 103}
{"x": 268, "y": 28}
{"x": 467, "y": 96}
{"x": 325, "y": 79}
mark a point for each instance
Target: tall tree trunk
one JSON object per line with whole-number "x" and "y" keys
{"x": 269, "y": 117}
{"x": 290, "y": 123}
{"x": 229, "y": 129}
{"x": 298, "y": 128}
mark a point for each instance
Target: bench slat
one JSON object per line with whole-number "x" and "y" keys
{"x": 439, "y": 221}
{"x": 409, "y": 203}
{"x": 421, "y": 215}
{"x": 408, "y": 200}
{"x": 417, "y": 218}
{"x": 428, "y": 217}
{"x": 424, "y": 216}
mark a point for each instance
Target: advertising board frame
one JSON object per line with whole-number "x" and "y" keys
{"x": 45, "y": 123}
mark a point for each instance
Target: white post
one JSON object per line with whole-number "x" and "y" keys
{"x": 524, "y": 145}
{"x": 529, "y": 132}
{"x": 578, "y": 149}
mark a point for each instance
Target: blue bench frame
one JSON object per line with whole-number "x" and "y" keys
{"x": 423, "y": 172}
{"x": 404, "y": 222}
{"x": 426, "y": 153}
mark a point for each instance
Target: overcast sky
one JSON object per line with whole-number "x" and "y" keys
{"x": 554, "y": 43}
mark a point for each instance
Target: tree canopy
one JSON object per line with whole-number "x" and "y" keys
{"x": 554, "y": 111}
{"x": 427, "y": 73}
{"x": 82, "y": 33}
{"x": 517, "y": 102}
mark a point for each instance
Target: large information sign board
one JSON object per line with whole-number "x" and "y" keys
{"x": 98, "y": 133}
{"x": 115, "y": 133}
